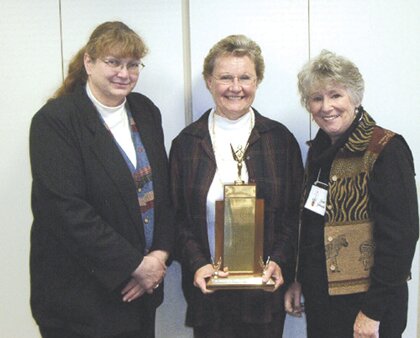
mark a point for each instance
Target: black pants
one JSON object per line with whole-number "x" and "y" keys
{"x": 48, "y": 332}
{"x": 236, "y": 329}
{"x": 148, "y": 331}
{"x": 334, "y": 316}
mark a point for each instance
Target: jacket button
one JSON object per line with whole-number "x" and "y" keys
{"x": 334, "y": 178}
{"x": 330, "y": 238}
{"x": 329, "y": 207}
{"x": 146, "y": 220}
{"x": 332, "y": 267}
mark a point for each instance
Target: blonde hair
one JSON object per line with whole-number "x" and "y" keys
{"x": 236, "y": 45}
{"x": 112, "y": 37}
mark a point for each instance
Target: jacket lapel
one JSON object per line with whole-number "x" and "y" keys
{"x": 200, "y": 130}
{"x": 106, "y": 151}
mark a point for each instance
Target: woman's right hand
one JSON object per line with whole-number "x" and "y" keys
{"x": 292, "y": 300}
{"x": 205, "y": 272}
{"x": 147, "y": 277}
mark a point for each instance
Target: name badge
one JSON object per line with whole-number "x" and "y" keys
{"x": 317, "y": 199}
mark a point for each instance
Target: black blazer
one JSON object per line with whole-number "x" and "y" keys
{"x": 87, "y": 235}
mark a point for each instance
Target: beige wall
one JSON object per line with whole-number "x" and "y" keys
{"x": 380, "y": 36}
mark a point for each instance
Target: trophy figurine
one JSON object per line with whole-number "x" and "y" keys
{"x": 238, "y": 156}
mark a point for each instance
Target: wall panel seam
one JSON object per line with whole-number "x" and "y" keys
{"x": 186, "y": 40}
{"x": 60, "y": 16}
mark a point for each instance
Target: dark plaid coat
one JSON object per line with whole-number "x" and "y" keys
{"x": 274, "y": 163}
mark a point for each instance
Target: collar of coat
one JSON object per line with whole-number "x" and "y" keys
{"x": 355, "y": 139}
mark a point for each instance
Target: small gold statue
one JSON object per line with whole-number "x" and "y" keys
{"x": 238, "y": 156}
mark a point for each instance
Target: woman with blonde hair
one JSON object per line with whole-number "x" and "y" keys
{"x": 102, "y": 228}
{"x": 202, "y": 162}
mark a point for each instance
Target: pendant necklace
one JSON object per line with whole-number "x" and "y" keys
{"x": 240, "y": 149}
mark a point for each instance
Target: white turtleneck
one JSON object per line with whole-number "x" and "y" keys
{"x": 116, "y": 119}
{"x": 225, "y": 132}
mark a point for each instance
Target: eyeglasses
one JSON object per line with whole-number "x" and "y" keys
{"x": 133, "y": 67}
{"x": 243, "y": 80}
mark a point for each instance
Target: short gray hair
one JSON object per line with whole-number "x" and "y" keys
{"x": 329, "y": 68}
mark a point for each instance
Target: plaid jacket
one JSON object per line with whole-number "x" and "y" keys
{"x": 274, "y": 163}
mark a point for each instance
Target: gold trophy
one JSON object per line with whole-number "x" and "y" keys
{"x": 239, "y": 227}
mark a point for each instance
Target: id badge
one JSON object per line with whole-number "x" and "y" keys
{"x": 317, "y": 199}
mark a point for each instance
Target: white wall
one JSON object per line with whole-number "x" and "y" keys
{"x": 381, "y": 37}
{"x": 30, "y": 68}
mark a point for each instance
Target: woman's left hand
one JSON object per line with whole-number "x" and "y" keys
{"x": 273, "y": 271}
{"x": 364, "y": 327}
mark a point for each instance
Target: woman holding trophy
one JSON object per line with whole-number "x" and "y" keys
{"x": 233, "y": 144}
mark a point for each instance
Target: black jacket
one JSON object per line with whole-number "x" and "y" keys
{"x": 87, "y": 235}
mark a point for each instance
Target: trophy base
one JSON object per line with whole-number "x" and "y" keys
{"x": 240, "y": 282}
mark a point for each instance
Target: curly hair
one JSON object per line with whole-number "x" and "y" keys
{"x": 329, "y": 68}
